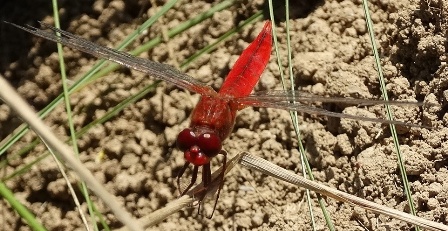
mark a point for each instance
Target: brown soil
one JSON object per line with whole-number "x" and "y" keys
{"x": 331, "y": 56}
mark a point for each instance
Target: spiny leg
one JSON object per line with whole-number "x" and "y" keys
{"x": 194, "y": 176}
{"x": 221, "y": 184}
{"x": 206, "y": 181}
{"x": 206, "y": 175}
{"x": 179, "y": 175}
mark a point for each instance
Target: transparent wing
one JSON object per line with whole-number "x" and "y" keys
{"x": 284, "y": 100}
{"x": 299, "y": 96}
{"x": 158, "y": 70}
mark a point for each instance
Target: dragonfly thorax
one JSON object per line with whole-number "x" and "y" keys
{"x": 198, "y": 147}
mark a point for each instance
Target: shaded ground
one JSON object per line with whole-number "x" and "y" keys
{"x": 332, "y": 56}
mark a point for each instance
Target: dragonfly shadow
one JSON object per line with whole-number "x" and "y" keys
{"x": 16, "y": 46}
{"x": 297, "y": 9}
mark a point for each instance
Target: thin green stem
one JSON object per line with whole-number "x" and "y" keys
{"x": 388, "y": 110}
{"x": 69, "y": 114}
{"x": 29, "y": 217}
{"x": 307, "y": 170}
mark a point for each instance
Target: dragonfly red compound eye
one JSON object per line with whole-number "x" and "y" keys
{"x": 210, "y": 144}
{"x": 186, "y": 139}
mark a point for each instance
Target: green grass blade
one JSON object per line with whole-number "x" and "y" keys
{"x": 20, "y": 208}
{"x": 171, "y": 33}
{"x": 91, "y": 76}
{"x": 388, "y": 110}
{"x": 119, "y": 107}
{"x": 306, "y": 170}
{"x": 70, "y": 117}
{"x": 111, "y": 113}
{"x": 294, "y": 118}
{"x": 23, "y": 129}
{"x": 134, "y": 98}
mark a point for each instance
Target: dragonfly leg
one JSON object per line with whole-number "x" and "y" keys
{"x": 206, "y": 175}
{"x": 179, "y": 175}
{"x": 206, "y": 181}
{"x": 194, "y": 176}
{"x": 221, "y": 184}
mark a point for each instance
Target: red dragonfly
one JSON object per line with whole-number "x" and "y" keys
{"x": 213, "y": 118}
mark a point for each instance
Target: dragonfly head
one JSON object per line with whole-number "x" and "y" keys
{"x": 198, "y": 147}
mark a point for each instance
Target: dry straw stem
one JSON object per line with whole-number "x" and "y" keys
{"x": 187, "y": 200}
{"x": 266, "y": 167}
{"x": 65, "y": 153}
{"x": 273, "y": 170}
